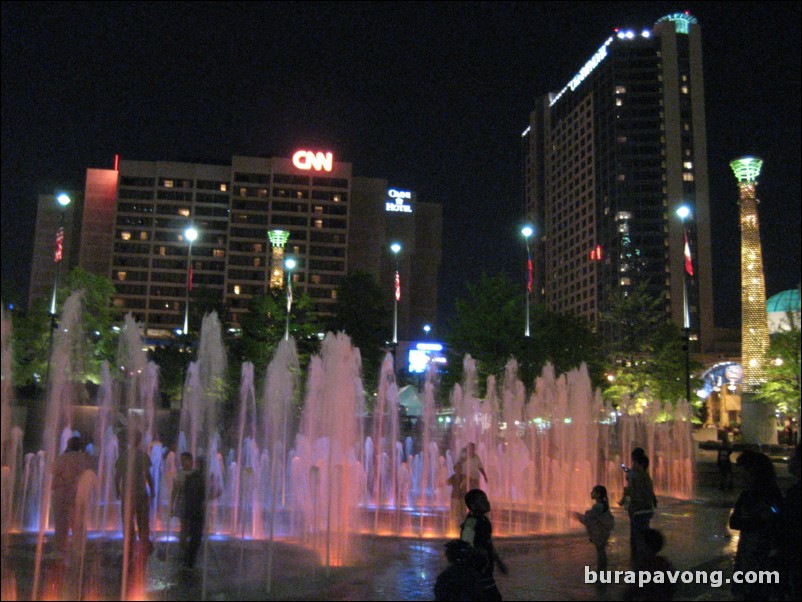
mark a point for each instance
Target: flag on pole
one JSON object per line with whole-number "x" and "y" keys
{"x": 289, "y": 296}
{"x": 688, "y": 260}
{"x": 529, "y": 271}
{"x": 59, "y": 245}
{"x": 397, "y": 286}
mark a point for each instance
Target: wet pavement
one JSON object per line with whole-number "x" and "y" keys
{"x": 547, "y": 567}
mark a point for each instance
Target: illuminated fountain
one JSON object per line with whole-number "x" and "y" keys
{"x": 335, "y": 479}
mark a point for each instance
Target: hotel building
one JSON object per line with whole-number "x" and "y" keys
{"x": 607, "y": 162}
{"x": 132, "y": 220}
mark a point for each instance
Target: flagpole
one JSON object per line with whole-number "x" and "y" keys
{"x": 190, "y": 235}
{"x": 687, "y": 270}
{"x": 527, "y": 231}
{"x": 396, "y": 248}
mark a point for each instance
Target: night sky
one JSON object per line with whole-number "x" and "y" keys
{"x": 433, "y": 97}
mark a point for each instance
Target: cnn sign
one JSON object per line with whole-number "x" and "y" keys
{"x": 306, "y": 160}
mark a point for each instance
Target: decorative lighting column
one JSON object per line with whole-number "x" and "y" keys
{"x": 683, "y": 212}
{"x": 754, "y": 321}
{"x": 190, "y": 235}
{"x": 396, "y": 249}
{"x": 63, "y": 200}
{"x": 278, "y": 238}
{"x": 289, "y": 264}
{"x": 527, "y": 231}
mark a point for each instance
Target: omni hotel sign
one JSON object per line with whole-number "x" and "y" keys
{"x": 398, "y": 202}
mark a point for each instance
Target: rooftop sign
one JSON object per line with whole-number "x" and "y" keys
{"x": 586, "y": 70}
{"x": 304, "y": 159}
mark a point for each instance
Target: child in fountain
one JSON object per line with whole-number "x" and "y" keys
{"x": 477, "y": 530}
{"x": 599, "y": 522}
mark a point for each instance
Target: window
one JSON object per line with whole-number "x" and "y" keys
{"x": 257, "y": 247}
{"x": 688, "y": 165}
{"x": 219, "y": 253}
{"x": 620, "y": 89}
{"x": 168, "y": 183}
{"x": 318, "y": 223}
{"x": 619, "y": 102}
{"x": 236, "y": 289}
{"x": 143, "y": 235}
{"x": 122, "y": 275}
{"x": 125, "y": 235}
{"x": 183, "y": 211}
{"x": 223, "y": 187}
{"x": 684, "y": 89}
{"x": 687, "y": 177}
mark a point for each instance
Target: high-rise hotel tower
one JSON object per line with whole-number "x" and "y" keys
{"x": 607, "y": 162}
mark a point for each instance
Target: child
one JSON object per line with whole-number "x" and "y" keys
{"x": 599, "y": 522}
{"x": 477, "y": 530}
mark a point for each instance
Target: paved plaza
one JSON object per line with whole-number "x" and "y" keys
{"x": 547, "y": 567}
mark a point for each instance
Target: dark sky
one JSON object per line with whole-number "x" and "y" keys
{"x": 431, "y": 96}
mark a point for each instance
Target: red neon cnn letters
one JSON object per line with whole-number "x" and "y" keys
{"x": 304, "y": 159}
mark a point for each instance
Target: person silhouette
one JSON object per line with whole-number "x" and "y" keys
{"x": 67, "y": 471}
{"x": 134, "y": 485}
{"x": 477, "y": 530}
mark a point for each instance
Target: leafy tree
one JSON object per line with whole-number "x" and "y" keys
{"x": 32, "y": 329}
{"x": 360, "y": 312}
{"x": 783, "y": 370}
{"x": 489, "y": 325}
{"x": 264, "y": 326}
{"x": 645, "y": 350}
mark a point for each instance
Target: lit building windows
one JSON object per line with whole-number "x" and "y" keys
{"x": 318, "y": 223}
{"x": 168, "y": 183}
{"x": 162, "y": 251}
{"x": 315, "y": 278}
{"x": 183, "y": 211}
{"x": 684, "y": 89}
{"x": 122, "y": 275}
{"x": 236, "y": 289}
{"x": 688, "y": 165}
{"x": 620, "y": 89}
{"x": 223, "y": 187}
{"x": 143, "y": 235}
{"x": 687, "y": 177}
{"x": 125, "y": 235}
{"x": 619, "y": 102}
{"x": 257, "y": 247}
{"x": 219, "y": 253}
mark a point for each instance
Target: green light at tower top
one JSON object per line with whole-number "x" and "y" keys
{"x": 278, "y": 238}
{"x": 746, "y": 169}
{"x": 682, "y": 21}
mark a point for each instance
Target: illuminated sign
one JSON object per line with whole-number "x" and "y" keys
{"x": 423, "y": 354}
{"x": 397, "y": 205}
{"x": 586, "y": 70}
{"x": 304, "y": 159}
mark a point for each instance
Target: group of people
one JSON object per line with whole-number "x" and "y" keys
{"x": 135, "y": 488}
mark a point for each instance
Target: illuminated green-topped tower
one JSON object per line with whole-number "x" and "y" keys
{"x": 278, "y": 238}
{"x": 754, "y": 322}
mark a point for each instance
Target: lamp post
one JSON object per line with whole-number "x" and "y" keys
{"x": 190, "y": 235}
{"x": 427, "y": 329}
{"x": 683, "y": 212}
{"x": 63, "y": 200}
{"x": 289, "y": 265}
{"x": 527, "y": 231}
{"x": 396, "y": 249}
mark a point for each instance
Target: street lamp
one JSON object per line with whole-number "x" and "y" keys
{"x": 396, "y": 249}
{"x": 427, "y": 329}
{"x": 683, "y": 212}
{"x": 527, "y": 231}
{"x": 289, "y": 265}
{"x": 190, "y": 235}
{"x": 63, "y": 200}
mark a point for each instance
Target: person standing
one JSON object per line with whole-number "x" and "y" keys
{"x": 757, "y": 516}
{"x": 724, "y": 466}
{"x": 190, "y": 508}
{"x": 134, "y": 485}
{"x": 640, "y": 502}
{"x": 792, "y": 531}
{"x": 477, "y": 530}
{"x": 67, "y": 471}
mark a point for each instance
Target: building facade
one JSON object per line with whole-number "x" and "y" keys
{"x": 607, "y": 162}
{"x": 133, "y": 221}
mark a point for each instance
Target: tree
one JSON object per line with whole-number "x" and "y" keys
{"x": 781, "y": 387}
{"x": 489, "y": 325}
{"x": 361, "y": 313}
{"x": 264, "y": 325}
{"x": 644, "y": 349}
{"x": 32, "y": 329}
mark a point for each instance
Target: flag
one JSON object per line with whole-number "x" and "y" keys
{"x": 59, "y": 245}
{"x": 529, "y": 270}
{"x": 688, "y": 260}
{"x": 397, "y": 286}
{"x": 289, "y": 296}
